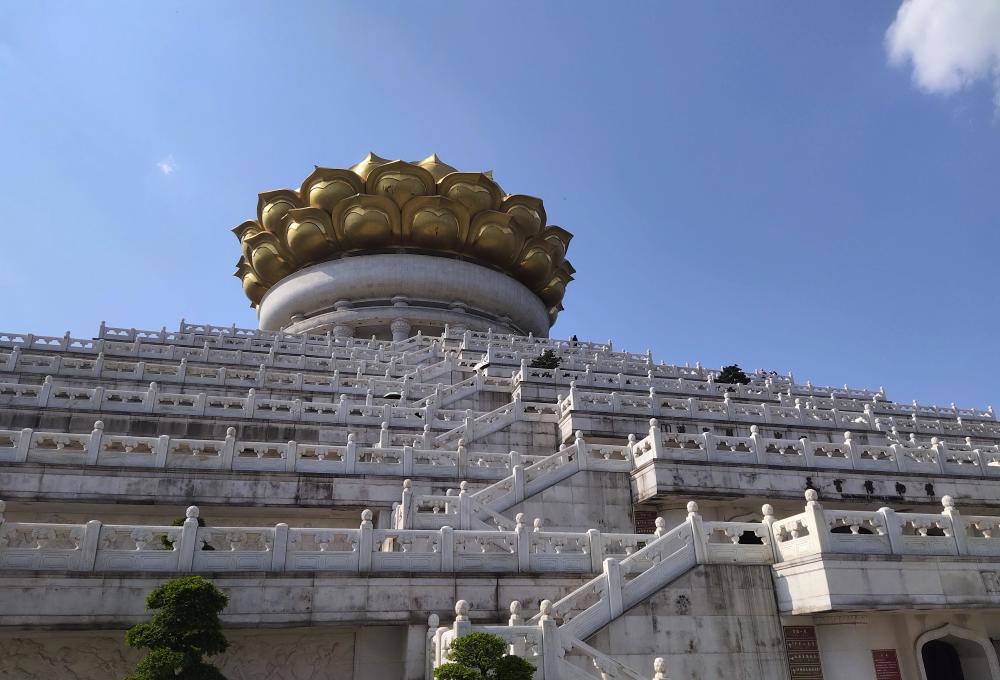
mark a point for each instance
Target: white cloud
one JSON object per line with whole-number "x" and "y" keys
{"x": 167, "y": 165}
{"x": 951, "y": 44}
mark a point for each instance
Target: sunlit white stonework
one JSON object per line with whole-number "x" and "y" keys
{"x": 405, "y": 476}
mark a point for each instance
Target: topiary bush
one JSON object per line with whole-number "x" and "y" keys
{"x": 482, "y": 656}
{"x": 185, "y": 628}
{"x": 733, "y": 375}
{"x": 546, "y": 359}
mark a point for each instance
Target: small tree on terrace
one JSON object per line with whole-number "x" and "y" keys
{"x": 733, "y": 375}
{"x": 184, "y": 629}
{"x": 481, "y": 656}
{"x": 546, "y": 359}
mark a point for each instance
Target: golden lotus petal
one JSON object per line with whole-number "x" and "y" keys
{"x": 309, "y": 234}
{"x": 365, "y": 221}
{"x": 435, "y": 222}
{"x": 272, "y": 206}
{"x": 474, "y": 190}
{"x": 400, "y": 181}
{"x": 325, "y": 187}
{"x": 494, "y": 237}
{"x": 434, "y": 165}
{"x": 367, "y": 164}
{"x": 527, "y": 210}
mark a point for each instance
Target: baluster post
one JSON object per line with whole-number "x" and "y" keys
{"x": 596, "y": 546}
{"x": 816, "y": 519}
{"x": 447, "y": 549}
{"x": 613, "y": 583}
{"x": 89, "y": 544}
{"x": 959, "y": 528}
{"x": 767, "y": 511}
{"x": 291, "y": 455}
{"x": 697, "y": 526}
{"x": 350, "y": 454}
{"x": 551, "y": 644}
{"x": 523, "y": 538}
{"x": 94, "y": 443}
{"x": 365, "y": 540}
{"x": 188, "y": 540}
{"x": 23, "y": 445}
{"x": 279, "y": 551}
{"x": 893, "y": 529}
{"x": 582, "y": 451}
{"x": 228, "y": 449}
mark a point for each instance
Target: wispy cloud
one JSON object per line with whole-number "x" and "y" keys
{"x": 168, "y": 165}
{"x": 951, "y": 44}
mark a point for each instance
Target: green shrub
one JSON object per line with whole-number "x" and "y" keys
{"x": 185, "y": 627}
{"x": 481, "y": 656}
{"x": 546, "y": 359}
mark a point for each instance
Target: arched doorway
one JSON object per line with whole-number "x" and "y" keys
{"x": 954, "y": 653}
{"x": 941, "y": 661}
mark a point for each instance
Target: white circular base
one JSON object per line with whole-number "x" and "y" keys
{"x": 365, "y": 295}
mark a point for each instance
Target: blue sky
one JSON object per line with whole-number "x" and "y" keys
{"x": 765, "y": 183}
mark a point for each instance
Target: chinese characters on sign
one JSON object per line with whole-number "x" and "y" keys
{"x": 886, "y": 664}
{"x": 803, "y": 653}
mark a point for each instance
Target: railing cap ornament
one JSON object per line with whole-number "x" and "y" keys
{"x": 812, "y": 496}
{"x": 947, "y": 502}
{"x": 192, "y": 512}
{"x": 461, "y": 610}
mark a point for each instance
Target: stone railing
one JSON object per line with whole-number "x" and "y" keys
{"x": 730, "y": 410}
{"x": 337, "y": 382}
{"x": 345, "y": 359}
{"x": 477, "y": 427}
{"x": 385, "y": 457}
{"x": 341, "y": 412}
{"x": 97, "y": 547}
{"x": 641, "y": 383}
{"x": 232, "y": 337}
{"x": 933, "y": 457}
{"x": 527, "y": 478}
{"x": 890, "y": 408}
{"x": 631, "y": 567}
{"x": 883, "y": 532}
{"x": 555, "y": 654}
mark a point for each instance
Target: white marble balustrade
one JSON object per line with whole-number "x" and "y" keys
{"x": 910, "y": 456}
{"x": 384, "y": 458}
{"x": 98, "y": 547}
{"x": 730, "y": 410}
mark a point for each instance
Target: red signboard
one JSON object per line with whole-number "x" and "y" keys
{"x": 886, "y": 664}
{"x": 803, "y": 653}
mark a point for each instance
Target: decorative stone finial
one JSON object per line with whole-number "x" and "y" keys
{"x": 351, "y": 438}
{"x": 579, "y": 434}
{"x": 754, "y": 429}
{"x": 515, "y": 608}
{"x": 653, "y": 422}
{"x": 519, "y": 519}
{"x": 767, "y": 510}
{"x": 464, "y": 486}
{"x": 659, "y": 668}
{"x": 692, "y": 508}
{"x": 947, "y": 502}
{"x": 537, "y": 524}
{"x": 230, "y": 431}
{"x": 407, "y": 484}
{"x": 461, "y": 610}
{"x": 99, "y": 425}
{"x": 433, "y": 621}
{"x": 192, "y": 512}
{"x": 545, "y": 609}
{"x": 660, "y": 523}
{"x": 811, "y": 496}
{"x": 366, "y": 515}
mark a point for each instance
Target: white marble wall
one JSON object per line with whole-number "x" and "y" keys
{"x": 717, "y": 621}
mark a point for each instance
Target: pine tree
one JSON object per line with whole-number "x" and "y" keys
{"x": 481, "y": 656}
{"x": 185, "y": 627}
{"x": 732, "y": 375}
{"x": 546, "y": 359}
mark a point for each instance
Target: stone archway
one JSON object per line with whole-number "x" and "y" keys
{"x": 954, "y": 653}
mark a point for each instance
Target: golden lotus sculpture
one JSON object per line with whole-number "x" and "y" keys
{"x": 381, "y": 205}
